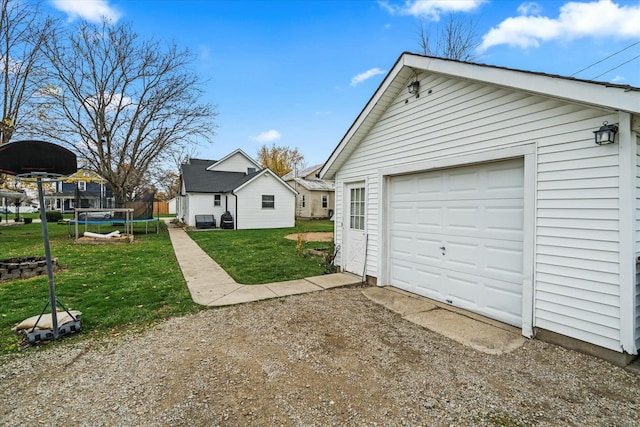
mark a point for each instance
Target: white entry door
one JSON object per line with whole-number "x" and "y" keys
{"x": 456, "y": 235}
{"x": 355, "y": 241}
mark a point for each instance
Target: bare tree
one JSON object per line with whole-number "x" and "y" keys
{"x": 126, "y": 105}
{"x": 456, "y": 38}
{"x": 23, "y": 31}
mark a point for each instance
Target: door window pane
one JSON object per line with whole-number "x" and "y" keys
{"x": 356, "y": 209}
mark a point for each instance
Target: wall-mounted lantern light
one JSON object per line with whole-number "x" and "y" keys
{"x": 414, "y": 88}
{"x": 606, "y": 134}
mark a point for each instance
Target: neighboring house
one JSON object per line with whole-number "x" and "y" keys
{"x": 315, "y": 197}
{"x": 255, "y": 197}
{"x": 83, "y": 189}
{"x": 486, "y": 191}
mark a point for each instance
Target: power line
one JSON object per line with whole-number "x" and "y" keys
{"x": 618, "y": 66}
{"x": 604, "y": 59}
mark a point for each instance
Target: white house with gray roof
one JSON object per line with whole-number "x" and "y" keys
{"x": 483, "y": 188}
{"x": 255, "y": 197}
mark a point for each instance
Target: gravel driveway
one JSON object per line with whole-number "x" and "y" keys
{"x": 320, "y": 359}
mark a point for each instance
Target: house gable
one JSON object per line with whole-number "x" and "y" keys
{"x": 410, "y": 67}
{"x": 237, "y": 161}
{"x": 262, "y": 173}
{"x": 252, "y": 212}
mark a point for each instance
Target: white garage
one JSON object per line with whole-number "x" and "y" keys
{"x": 456, "y": 236}
{"x": 490, "y": 189}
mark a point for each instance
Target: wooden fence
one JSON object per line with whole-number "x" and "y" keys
{"x": 160, "y": 208}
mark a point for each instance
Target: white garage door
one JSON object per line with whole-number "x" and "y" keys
{"x": 456, "y": 236}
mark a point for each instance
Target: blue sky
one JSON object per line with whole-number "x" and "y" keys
{"x": 297, "y": 73}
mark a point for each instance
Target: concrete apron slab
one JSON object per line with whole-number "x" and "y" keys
{"x": 488, "y": 336}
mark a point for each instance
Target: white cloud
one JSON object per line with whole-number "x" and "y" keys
{"x": 91, "y": 10}
{"x": 617, "y": 79}
{"x": 366, "y": 75}
{"x": 117, "y": 102}
{"x": 576, "y": 20}
{"x": 431, "y": 9}
{"x": 529, "y": 8}
{"x": 268, "y": 136}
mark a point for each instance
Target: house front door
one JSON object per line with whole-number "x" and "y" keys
{"x": 355, "y": 238}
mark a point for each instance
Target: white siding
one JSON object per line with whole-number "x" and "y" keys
{"x": 637, "y": 290}
{"x": 234, "y": 163}
{"x": 202, "y": 204}
{"x": 577, "y": 287}
{"x": 251, "y": 213}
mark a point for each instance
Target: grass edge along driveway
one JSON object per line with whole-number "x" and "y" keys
{"x": 126, "y": 286}
{"x": 254, "y": 257}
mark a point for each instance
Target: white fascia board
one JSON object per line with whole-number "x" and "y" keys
{"x": 216, "y": 164}
{"x": 262, "y": 173}
{"x": 593, "y": 94}
{"x": 328, "y": 171}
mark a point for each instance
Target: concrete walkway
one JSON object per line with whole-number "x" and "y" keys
{"x": 210, "y": 285}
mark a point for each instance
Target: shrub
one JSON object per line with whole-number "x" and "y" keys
{"x": 53, "y": 216}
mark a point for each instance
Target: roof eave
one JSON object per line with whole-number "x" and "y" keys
{"x": 595, "y": 94}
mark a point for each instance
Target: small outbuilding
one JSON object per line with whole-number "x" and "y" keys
{"x": 253, "y": 196}
{"x": 493, "y": 190}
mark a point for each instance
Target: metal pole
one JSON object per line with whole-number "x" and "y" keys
{"x": 47, "y": 253}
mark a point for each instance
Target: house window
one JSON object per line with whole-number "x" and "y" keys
{"x": 356, "y": 211}
{"x": 250, "y": 170}
{"x": 325, "y": 201}
{"x": 82, "y": 186}
{"x": 303, "y": 202}
{"x": 268, "y": 201}
{"x": 216, "y": 200}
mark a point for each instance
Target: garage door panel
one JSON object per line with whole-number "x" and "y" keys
{"x": 428, "y": 185}
{"x": 462, "y": 254}
{"x": 462, "y": 218}
{"x": 496, "y": 299}
{"x": 473, "y": 257}
{"x": 430, "y": 217}
{"x": 505, "y": 178}
{"x": 463, "y": 183}
{"x": 476, "y": 214}
{"x": 428, "y": 281}
{"x": 402, "y": 216}
{"x": 401, "y": 246}
{"x": 427, "y": 249}
{"x": 506, "y": 221}
{"x": 403, "y": 275}
{"x": 505, "y": 260}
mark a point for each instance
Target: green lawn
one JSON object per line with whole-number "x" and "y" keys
{"x": 264, "y": 256}
{"x": 112, "y": 285}
{"x": 130, "y": 285}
